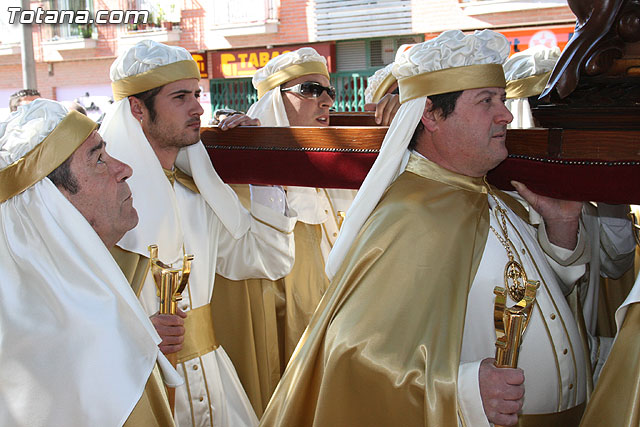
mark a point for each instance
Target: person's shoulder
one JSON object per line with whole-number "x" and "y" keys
{"x": 414, "y": 195}
{"x": 402, "y": 208}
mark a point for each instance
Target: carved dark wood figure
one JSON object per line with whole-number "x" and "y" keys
{"x": 598, "y": 74}
{"x": 603, "y": 27}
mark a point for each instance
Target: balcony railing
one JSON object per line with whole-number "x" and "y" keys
{"x": 233, "y": 12}
{"x": 244, "y": 17}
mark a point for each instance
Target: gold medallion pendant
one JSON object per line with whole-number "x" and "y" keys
{"x": 515, "y": 279}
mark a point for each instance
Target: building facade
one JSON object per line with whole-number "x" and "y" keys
{"x": 230, "y": 39}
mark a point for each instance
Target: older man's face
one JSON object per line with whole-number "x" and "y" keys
{"x": 307, "y": 111}
{"x": 103, "y": 195}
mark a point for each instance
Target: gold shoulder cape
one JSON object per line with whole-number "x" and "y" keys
{"x": 383, "y": 346}
{"x": 259, "y": 321}
{"x": 616, "y": 398}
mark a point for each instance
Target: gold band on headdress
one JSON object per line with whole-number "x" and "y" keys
{"x": 529, "y": 86}
{"x": 384, "y": 86}
{"x": 291, "y": 72}
{"x": 451, "y": 80}
{"x": 43, "y": 159}
{"x": 156, "y": 77}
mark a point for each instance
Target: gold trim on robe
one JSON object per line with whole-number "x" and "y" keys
{"x": 244, "y": 315}
{"x": 199, "y": 334}
{"x": 368, "y": 340}
{"x": 135, "y": 267}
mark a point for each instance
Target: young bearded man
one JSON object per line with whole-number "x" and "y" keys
{"x": 185, "y": 208}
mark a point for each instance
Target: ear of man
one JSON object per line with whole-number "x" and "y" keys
{"x": 137, "y": 108}
{"x": 430, "y": 117}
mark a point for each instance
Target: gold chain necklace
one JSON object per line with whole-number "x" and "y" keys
{"x": 515, "y": 278}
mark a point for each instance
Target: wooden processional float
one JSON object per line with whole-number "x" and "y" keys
{"x": 587, "y": 149}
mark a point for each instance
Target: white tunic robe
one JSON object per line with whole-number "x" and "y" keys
{"x": 552, "y": 354}
{"x": 325, "y": 206}
{"x": 212, "y": 394}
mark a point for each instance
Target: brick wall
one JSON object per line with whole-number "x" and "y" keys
{"x": 51, "y": 76}
{"x": 192, "y": 27}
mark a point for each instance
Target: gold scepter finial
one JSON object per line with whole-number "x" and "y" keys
{"x": 170, "y": 282}
{"x": 511, "y": 323}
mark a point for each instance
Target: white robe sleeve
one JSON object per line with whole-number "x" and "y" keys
{"x": 469, "y": 397}
{"x": 617, "y": 244}
{"x": 266, "y": 250}
{"x": 569, "y": 265}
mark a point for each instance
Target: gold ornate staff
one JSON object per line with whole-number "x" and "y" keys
{"x": 170, "y": 283}
{"x": 511, "y": 323}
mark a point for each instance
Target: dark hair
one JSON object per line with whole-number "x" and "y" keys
{"x": 63, "y": 178}
{"x": 445, "y": 103}
{"x": 148, "y": 97}
{"x": 14, "y": 99}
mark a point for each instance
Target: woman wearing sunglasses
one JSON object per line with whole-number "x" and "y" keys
{"x": 293, "y": 90}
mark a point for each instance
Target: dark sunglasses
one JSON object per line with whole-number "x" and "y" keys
{"x": 311, "y": 90}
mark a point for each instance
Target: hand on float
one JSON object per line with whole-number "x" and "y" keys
{"x": 561, "y": 217}
{"x": 236, "y": 120}
{"x": 385, "y": 109}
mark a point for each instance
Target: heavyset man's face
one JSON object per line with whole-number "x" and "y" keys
{"x": 472, "y": 138}
{"x": 303, "y": 111}
{"x": 103, "y": 195}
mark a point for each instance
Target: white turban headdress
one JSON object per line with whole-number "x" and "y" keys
{"x": 76, "y": 347}
{"x": 378, "y": 84}
{"x": 281, "y": 69}
{"x": 527, "y": 73}
{"x": 451, "y": 62}
{"x": 145, "y": 66}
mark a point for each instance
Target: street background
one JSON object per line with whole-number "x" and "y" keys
{"x": 230, "y": 39}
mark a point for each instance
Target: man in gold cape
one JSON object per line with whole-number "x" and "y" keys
{"x": 616, "y": 398}
{"x": 262, "y": 321}
{"x": 404, "y": 335}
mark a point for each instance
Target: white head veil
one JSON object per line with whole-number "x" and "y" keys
{"x": 271, "y": 112}
{"x": 527, "y": 73}
{"x": 281, "y": 69}
{"x": 452, "y": 61}
{"x": 145, "y": 66}
{"x": 76, "y": 348}
{"x": 378, "y": 84}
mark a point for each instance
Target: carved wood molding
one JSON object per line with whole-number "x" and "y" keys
{"x": 604, "y": 29}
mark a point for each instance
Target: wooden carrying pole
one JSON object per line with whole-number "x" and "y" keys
{"x": 587, "y": 165}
